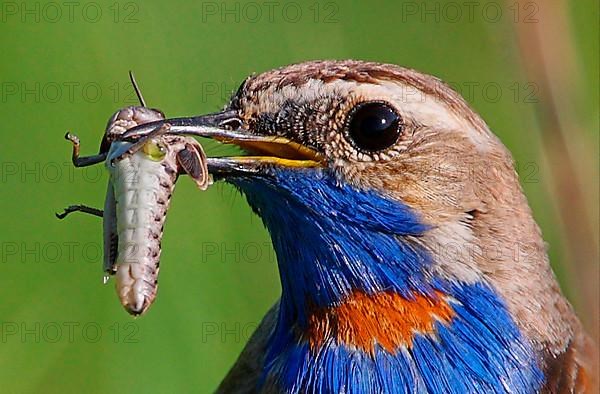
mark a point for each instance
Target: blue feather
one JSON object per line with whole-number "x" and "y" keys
{"x": 332, "y": 239}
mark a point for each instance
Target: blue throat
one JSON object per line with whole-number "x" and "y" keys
{"x": 331, "y": 240}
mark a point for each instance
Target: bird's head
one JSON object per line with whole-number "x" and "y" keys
{"x": 373, "y": 178}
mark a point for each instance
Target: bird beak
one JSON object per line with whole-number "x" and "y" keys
{"x": 264, "y": 150}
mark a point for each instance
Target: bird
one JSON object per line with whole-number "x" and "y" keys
{"x": 408, "y": 255}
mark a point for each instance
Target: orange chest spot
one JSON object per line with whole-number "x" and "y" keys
{"x": 385, "y": 318}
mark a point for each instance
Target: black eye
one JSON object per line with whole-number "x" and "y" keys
{"x": 374, "y": 126}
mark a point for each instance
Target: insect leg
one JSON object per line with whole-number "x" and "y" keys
{"x": 84, "y": 161}
{"x": 80, "y": 208}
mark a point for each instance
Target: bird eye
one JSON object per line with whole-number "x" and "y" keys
{"x": 374, "y": 126}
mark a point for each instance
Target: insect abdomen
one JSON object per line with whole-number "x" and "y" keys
{"x": 142, "y": 198}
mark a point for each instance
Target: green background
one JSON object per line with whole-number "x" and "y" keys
{"x": 62, "y": 330}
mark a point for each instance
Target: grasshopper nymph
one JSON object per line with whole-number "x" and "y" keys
{"x": 142, "y": 178}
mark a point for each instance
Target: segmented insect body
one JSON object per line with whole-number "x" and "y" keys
{"x": 142, "y": 180}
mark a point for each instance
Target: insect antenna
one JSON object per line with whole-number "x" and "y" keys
{"x": 136, "y": 88}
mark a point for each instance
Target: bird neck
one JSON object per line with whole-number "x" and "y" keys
{"x": 360, "y": 306}
{"x": 333, "y": 240}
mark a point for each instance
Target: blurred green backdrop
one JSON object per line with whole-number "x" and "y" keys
{"x": 64, "y": 67}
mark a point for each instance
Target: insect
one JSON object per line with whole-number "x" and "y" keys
{"x": 142, "y": 177}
